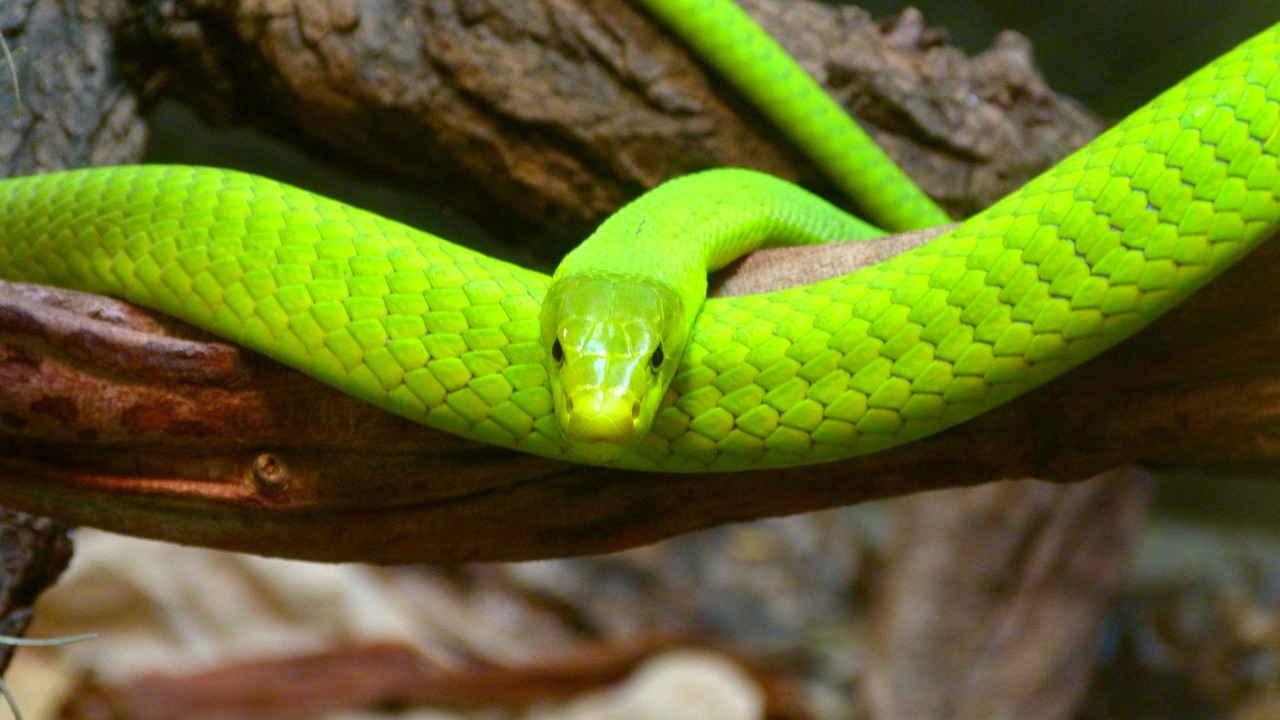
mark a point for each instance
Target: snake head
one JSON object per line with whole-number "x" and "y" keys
{"x": 612, "y": 346}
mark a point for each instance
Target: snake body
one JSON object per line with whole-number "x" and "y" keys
{"x": 1075, "y": 261}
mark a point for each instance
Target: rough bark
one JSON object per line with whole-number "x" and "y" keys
{"x": 71, "y": 107}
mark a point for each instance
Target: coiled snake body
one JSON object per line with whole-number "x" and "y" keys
{"x": 1075, "y": 261}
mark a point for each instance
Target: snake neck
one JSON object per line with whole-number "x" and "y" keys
{"x": 679, "y": 231}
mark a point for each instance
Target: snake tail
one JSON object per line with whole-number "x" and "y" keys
{"x": 742, "y": 52}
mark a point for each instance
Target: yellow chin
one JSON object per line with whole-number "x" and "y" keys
{"x": 595, "y": 452}
{"x": 595, "y": 416}
{"x": 598, "y": 425}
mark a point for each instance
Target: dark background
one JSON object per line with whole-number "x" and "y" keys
{"x": 1112, "y": 55}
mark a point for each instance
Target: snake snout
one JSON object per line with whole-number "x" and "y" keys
{"x": 598, "y": 416}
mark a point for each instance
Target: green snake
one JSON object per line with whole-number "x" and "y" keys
{"x": 1075, "y": 261}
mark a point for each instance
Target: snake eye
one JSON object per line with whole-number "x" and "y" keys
{"x": 557, "y": 352}
{"x": 658, "y": 357}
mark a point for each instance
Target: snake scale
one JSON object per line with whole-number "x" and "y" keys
{"x": 1075, "y": 261}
